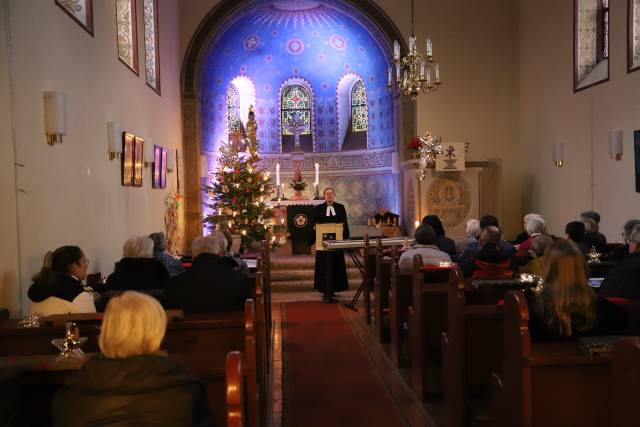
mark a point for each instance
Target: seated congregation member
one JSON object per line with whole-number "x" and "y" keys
{"x": 137, "y": 270}
{"x": 538, "y": 250}
{"x": 210, "y": 284}
{"x": 231, "y": 259}
{"x": 128, "y": 383}
{"x": 472, "y": 233}
{"x": 623, "y": 280}
{"x": 506, "y": 248}
{"x": 535, "y": 226}
{"x": 385, "y": 218}
{"x": 575, "y": 232}
{"x": 490, "y": 261}
{"x": 163, "y": 256}
{"x": 623, "y": 252}
{"x": 425, "y": 237}
{"x": 57, "y": 288}
{"x": 524, "y": 235}
{"x": 593, "y": 237}
{"x": 566, "y": 306}
{"x": 444, "y": 243}
{"x": 591, "y": 215}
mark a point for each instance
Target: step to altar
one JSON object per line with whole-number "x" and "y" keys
{"x": 294, "y": 273}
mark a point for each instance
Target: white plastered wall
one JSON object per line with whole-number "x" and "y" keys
{"x": 72, "y": 192}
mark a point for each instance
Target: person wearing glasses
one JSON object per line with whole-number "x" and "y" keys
{"x": 58, "y": 288}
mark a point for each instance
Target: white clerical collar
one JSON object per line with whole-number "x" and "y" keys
{"x": 330, "y": 211}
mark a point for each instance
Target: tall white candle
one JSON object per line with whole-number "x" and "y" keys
{"x": 437, "y": 73}
{"x": 390, "y": 80}
{"x": 277, "y": 173}
{"x": 396, "y": 50}
{"x": 317, "y": 173}
{"x": 429, "y": 47}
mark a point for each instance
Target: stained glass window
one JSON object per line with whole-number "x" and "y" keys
{"x": 233, "y": 108}
{"x": 296, "y": 104}
{"x": 359, "y": 117}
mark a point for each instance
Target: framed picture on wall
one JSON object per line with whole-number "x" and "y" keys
{"x": 80, "y": 11}
{"x": 163, "y": 170}
{"x": 138, "y": 161}
{"x": 636, "y": 153}
{"x": 159, "y": 167}
{"x": 633, "y": 36}
{"x": 590, "y": 43}
{"x": 127, "y": 159}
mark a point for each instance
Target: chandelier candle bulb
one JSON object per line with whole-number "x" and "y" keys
{"x": 396, "y": 50}
{"x": 390, "y": 79}
{"x": 412, "y": 44}
{"x": 398, "y": 72}
{"x": 277, "y": 173}
{"x": 437, "y": 68}
{"x": 422, "y": 71}
{"x": 317, "y": 173}
{"x": 429, "y": 48}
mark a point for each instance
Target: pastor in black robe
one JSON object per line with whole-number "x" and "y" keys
{"x": 336, "y": 258}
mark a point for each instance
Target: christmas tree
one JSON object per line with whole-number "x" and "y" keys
{"x": 240, "y": 190}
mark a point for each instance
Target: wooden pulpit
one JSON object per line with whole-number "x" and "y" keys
{"x": 328, "y": 231}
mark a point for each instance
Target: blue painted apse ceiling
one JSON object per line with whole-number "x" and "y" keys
{"x": 324, "y": 46}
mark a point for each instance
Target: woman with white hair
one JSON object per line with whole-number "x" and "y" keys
{"x": 129, "y": 383}
{"x": 592, "y": 236}
{"x": 534, "y": 226}
{"x": 137, "y": 269}
{"x": 472, "y": 233}
{"x": 524, "y": 235}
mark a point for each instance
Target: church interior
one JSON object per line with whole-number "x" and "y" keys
{"x": 320, "y": 212}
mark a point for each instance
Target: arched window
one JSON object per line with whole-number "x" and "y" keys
{"x": 233, "y": 109}
{"x": 295, "y": 109}
{"x": 359, "y": 116}
{"x": 296, "y": 103}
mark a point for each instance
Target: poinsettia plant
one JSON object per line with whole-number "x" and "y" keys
{"x": 415, "y": 143}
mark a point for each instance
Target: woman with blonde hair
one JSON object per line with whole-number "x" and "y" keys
{"x": 129, "y": 383}
{"x": 566, "y": 306}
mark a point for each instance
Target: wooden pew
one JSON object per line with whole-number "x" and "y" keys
{"x": 399, "y": 302}
{"x": 235, "y": 390}
{"x": 626, "y": 382}
{"x": 199, "y": 343}
{"x": 368, "y": 278}
{"x": 382, "y": 285}
{"x": 547, "y": 383}
{"x": 427, "y": 320}
{"x": 471, "y": 348}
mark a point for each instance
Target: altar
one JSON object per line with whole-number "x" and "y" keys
{"x": 295, "y": 218}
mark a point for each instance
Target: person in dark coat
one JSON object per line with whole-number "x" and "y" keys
{"x": 489, "y": 262}
{"x": 506, "y": 248}
{"x": 211, "y": 284}
{"x": 623, "y": 280}
{"x": 575, "y": 231}
{"x": 443, "y": 243}
{"x": 128, "y": 383}
{"x": 593, "y": 237}
{"x": 137, "y": 270}
{"x": 330, "y": 212}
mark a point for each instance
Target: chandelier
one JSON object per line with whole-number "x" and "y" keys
{"x": 415, "y": 73}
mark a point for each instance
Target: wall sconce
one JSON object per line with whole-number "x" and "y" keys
{"x": 171, "y": 160}
{"x": 55, "y": 116}
{"x": 615, "y": 144}
{"x": 114, "y": 139}
{"x": 204, "y": 166}
{"x": 558, "y": 154}
{"x": 148, "y": 152}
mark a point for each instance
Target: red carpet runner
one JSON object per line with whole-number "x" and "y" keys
{"x": 328, "y": 379}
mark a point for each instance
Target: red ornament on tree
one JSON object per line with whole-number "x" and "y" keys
{"x": 234, "y": 201}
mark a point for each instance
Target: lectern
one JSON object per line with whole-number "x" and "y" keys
{"x": 328, "y": 231}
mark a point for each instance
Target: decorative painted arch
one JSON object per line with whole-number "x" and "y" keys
{"x": 307, "y": 85}
{"x": 192, "y": 67}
